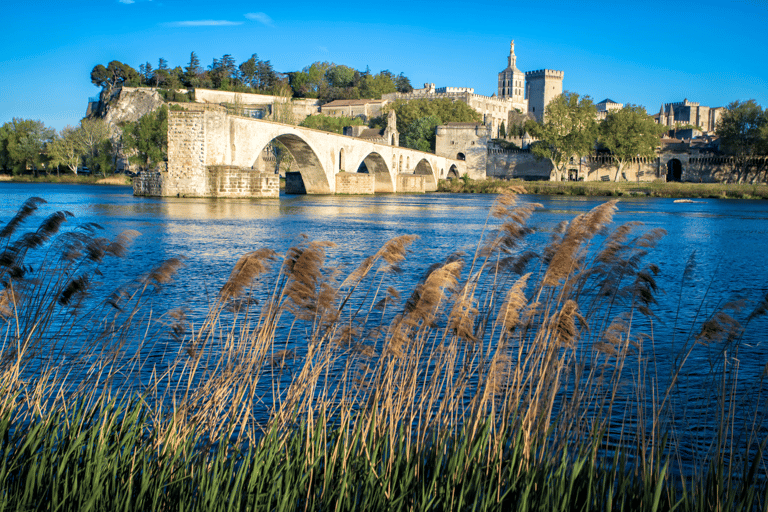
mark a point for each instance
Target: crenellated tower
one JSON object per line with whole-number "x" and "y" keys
{"x": 542, "y": 86}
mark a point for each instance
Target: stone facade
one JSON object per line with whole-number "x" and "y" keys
{"x": 355, "y": 183}
{"x": 467, "y": 142}
{"x": 149, "y": 183}
{"x": 412, "y": 184}
{"x": 231, "y": 181}
{"x": 689, "y": 112}
{"x": 517, "y": 164}
{"x": 542, "y": 86}
{"x": 258, "y": 106}
{"x": 364, "y": 109}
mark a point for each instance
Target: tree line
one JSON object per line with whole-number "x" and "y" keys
{"x": 322, "y": 80}
{"x": 26, "y": 145}
{"x": 570, "y": 130}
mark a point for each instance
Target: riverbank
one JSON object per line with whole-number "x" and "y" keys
{"x": 70, "y": 179}
{"x": 609, "y": 189}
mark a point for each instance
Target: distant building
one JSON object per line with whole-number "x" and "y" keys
{"x": 467, "y": 142}
{"x": 689, "y": 113}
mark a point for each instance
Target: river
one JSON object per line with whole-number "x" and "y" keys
{"x": 729, "y": 239}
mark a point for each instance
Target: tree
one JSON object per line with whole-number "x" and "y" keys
{"x": 147, "y": 139}
{"x": 249, "y": 71}
{"x": 93, "y": 133}
{"x": 162, "y": 74}
{"x": 67, "y": 149}
{"x": 224, "y": 73}
{"x": 147, "y": 73}
{"x": 192, "y": 71}
{"x": 743, "y": 131}
{"x": 330, "y": 123}
{"x": 116, "y": 74}
{"x": 629, "y": 133}
{"x": 502, "y": 131}
{"x": 569, "y": 130}
{"x": 403, "y": 84}
{"x": 446, "y": 110}
{"x": 22, "y": 144}
{"x": 420, "y": 134}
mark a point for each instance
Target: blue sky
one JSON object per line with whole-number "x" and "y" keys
{"x": 646, "y": 53}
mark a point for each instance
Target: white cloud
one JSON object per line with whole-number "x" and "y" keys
{"x": 203, "y": 23}
{"x": 127, "y": 1}
{"x": 260, "y": 17}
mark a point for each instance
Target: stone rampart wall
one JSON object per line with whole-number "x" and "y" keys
{"x": 355, "y": 183}
{"x": 517, "y": 164}
{"x": 232, "y": 181}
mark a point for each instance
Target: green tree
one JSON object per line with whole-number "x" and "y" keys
{"x": 403, "y": 84}
{"x": 340, "y": 77}
{"x": 629, "y": 133}
{"x": 503, "y": 131}
{"x": 93, "y": 133}
{"x": 146, "y": 140}
{"x": 743, "y": 131}
{"x": 446, "y": 110}
{"x": 116, "y": 74}
{"x": 23, "y": 143}
{"x": 249, "y": 71}
{"x": 67, "y": 149}
{"x": 569, "y": 130}
{"x": 420, "y": 134}
{"x": 192, "y": 71}
{"x": 330, "y": 123}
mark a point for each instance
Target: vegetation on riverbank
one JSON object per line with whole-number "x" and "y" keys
{"x": 507, "y": 379}
{"x": 609, "y": 189}
{"x": 79, "y": 179}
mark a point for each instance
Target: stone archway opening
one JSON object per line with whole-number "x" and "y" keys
{"x": 674, "y": 170}
{"x": 305, "y": 174}
{"x": 342, "y": 161}
{"x": 423, "y": 167}
{"x": 375, "y": 164}
{"x": 461, "y": 156}
{"x": 453, "y": 172}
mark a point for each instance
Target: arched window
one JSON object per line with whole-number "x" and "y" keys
{"x": 461, "y": 156}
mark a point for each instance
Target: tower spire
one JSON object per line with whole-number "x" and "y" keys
{"x": 512, "y": 58}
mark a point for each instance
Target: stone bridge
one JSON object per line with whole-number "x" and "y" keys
{"x": 215, "y": 154}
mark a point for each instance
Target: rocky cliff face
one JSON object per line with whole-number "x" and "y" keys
{"x": 128, "y": 104}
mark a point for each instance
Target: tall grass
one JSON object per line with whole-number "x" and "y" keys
{"x": 506, "y": 379}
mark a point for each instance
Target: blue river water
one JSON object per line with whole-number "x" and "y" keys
{"x": 727, "y": 238}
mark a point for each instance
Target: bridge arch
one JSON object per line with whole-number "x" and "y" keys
{"x": 313, "y": 176}
{"x": 375, "y": 164}
{"x": 453, "y": 172}
{"x": 424, "y": 167}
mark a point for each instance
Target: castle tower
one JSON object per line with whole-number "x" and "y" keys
{"x": 512, "y": 80}
{"x": 542, "y": 86}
